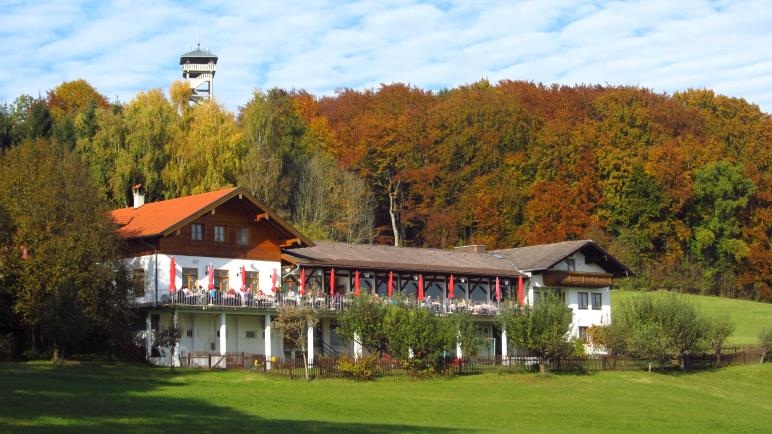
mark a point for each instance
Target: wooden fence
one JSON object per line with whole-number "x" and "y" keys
{"x": 327, "y": 367}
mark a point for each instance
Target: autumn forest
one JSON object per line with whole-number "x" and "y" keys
{"x": 677, "y": 186}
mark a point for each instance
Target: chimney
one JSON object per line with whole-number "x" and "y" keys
{"x": 139, "y": 198}
{"x": 471, "y": 248}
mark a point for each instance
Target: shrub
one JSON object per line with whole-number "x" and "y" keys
{"x": 358, "y": 370}
{"x": 542, "y": 330}
{"x": 765, "y": 342}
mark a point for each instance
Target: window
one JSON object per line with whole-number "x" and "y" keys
{"x": 189, "y": 333}
{"x": 196, "y": 232}
{"x": 221, "y": 280}
{"x": 583, "y": 300}
{"x": 571, "y": 264}
{"x": 252, "y": 280}
{"x": 219, "y": 234}
{"x": 243, "y": 236}
{"x": 190, "y": 278}
{"x": 335, "y": 339}
{"x": 597, "y": 301}
{"x": 583, "y": 335}
{"x": 138, "y": 282}
{"x": 251, "y": 334}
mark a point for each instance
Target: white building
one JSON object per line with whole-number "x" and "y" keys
{"x": 220, "y": 263}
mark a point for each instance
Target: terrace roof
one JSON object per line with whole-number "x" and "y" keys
{"x": 390, "y": 258}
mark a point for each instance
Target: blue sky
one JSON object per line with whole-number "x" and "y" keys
{"x": 123, "y": 47}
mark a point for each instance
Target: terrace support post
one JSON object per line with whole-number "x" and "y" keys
{"x": 357, "y": 347}
{"x": 176, "y": 350}
{"x": 148, "y": 336}
{"x": 504, "y": 346}
{"x": 268, "y": 342}
{"x": 310, "y": 344}
{"x": 223, "y": 335}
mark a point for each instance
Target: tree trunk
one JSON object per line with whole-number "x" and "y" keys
{"x": 649, "y": 367}
{"x": 682, "y": 360}
{"x": 763, "y": 356}
{"x": 542, "y": 365}
{"x": 393, "y": 215}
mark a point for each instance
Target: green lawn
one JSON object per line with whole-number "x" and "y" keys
{"x": 748, "y": 316}
{"x": 99, "y": 399}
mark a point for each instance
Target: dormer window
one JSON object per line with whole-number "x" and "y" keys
{"x": 571, "y": 264}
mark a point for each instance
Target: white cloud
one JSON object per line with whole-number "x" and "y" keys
{"x": 126, "y": 46}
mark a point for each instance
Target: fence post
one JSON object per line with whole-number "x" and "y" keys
{"x": 242, "y": 360}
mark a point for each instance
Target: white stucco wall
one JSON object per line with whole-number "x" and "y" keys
{"x": 581, "y": 317}
{"x": 206, "y": 325}
{"x": 148, "y": 262}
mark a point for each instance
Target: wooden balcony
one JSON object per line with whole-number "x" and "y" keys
{"x": 573, "y": 278}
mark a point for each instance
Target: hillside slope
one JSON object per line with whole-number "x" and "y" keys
{"x": 748, "y": 316}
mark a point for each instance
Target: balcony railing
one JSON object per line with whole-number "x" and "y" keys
{"x": 334, "y": 303}
{"x": 198, "y": 67}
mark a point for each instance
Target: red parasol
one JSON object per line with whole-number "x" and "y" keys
{"x": 520, "y": 291}
{"x": 451, "y": 287}
{"x": 273, "y": 282}
{"x": 332, "y": 281}
{"x": 211, "y": 277}
{"x": 302, "y": 289}
{"x": 243, "y": 278}
{"x": 420, "y": 287}
{"x": 357, "y": 288}
{"x": 391, "y": 283}
{"x": 498, "y": 290}
{"x": 172, "y": 276}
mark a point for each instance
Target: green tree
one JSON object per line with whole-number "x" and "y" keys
{"x": 293, "y": 322}
{"x": 466, "y": 336}
{"x": 364, "y": 318}
{"x": 765, "y": 342}
{"x": 542, "y": 329}
{"x": 719, "y": 328}
{"x": 151, "y": 126}
{"x": 207, "y": 156}
{"x": 722, "y": 193}
{"x": 71, "y": 289}
{"x": 168, "y": 338}
{"x": 417, "y": 337}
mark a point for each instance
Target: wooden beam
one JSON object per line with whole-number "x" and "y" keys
{"x": 261, "y": 216}
{"x": 291, "y": 242}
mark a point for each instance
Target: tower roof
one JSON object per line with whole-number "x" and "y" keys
{"x": 198, "y": 53}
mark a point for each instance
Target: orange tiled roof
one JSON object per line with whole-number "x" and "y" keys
{"x": 152, "y": 219}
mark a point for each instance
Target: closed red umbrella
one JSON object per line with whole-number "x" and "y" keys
{"x": 420, "y": 287}
{"x": 357, "y": 288}
{"x": 302, "y": 281}
{"x": 391, "y": 283}
{"x": 332, "y": 281}
{"x": 211, "y": 277}
{"x": 243, "y": 278}
{"x": 274, "y": 278}
{"x": 520, "y": 291}
{"x": 451, "y": 287}
{"x": 172, "y": 276}
{"x": 498, "y": 290}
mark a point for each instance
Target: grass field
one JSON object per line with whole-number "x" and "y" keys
{"x": 748, "y": 316}
{"x": 100, "y": 399}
